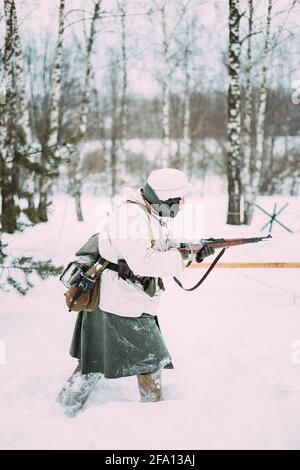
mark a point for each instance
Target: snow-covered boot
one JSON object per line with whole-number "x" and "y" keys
{"x": 76, "y": 391}
{"x": 150, "y": 386}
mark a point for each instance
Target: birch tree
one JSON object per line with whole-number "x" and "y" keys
{"x": 52, "y": 136}
{"x": 186, "y": 117}
{"x": 247, "y": 123}
{"x": 167, "y": 35}
{"x": 18, "y": 170}
{"x": 166, "y": 87}
{"x": 76, "y": 164}
{"x": 8, "y": 131}
{"x": 24, "y": 119}
{"x": 112, "y": 170}
{"x": 122, "y": 4}
{"x": 234, "y": 117}
{"x": 15, "y": 272}
{"x": 251, "y": 190}
{"x": 161, "y": 6}
{"x": 26, "y": 175}
{"x": 189, "y": 38}
{"x": 56, "y": 80}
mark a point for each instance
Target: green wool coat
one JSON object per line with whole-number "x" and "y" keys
{"x": 119, "y": 346}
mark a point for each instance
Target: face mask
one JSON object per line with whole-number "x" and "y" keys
{"x": 168, "y": 208}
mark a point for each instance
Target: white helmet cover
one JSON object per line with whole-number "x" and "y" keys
{"x": 169, "y": 183}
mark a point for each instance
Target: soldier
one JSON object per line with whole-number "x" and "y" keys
{"x": 122, "y": 337}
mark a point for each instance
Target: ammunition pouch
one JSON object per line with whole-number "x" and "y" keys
{"x": 83, "y": 277}
{"x": 83, "y": 287}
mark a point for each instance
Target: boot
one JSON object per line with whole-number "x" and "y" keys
{"x": 76, "y": 391}
{"x": 150, "y": 386}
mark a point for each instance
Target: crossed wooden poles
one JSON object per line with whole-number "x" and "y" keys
{"x": 273, "y": 217}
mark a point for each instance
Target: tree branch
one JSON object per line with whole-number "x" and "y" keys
{"x": 249, "y": 36}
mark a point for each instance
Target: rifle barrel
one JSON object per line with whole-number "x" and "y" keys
{"x": 222, "y": 243}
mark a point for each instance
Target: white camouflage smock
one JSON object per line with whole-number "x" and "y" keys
{"x": 142, "y": 239}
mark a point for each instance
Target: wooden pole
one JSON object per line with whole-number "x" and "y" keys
{"x": 247, "y": 265}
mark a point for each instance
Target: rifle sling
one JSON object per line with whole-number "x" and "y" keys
{"x": 114, "y": 267}
{"x": 205, "y": 275}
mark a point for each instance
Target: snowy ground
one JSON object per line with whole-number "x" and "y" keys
{"x": 234, "y": 385}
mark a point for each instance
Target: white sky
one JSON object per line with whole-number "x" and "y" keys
{"x": 39, "y": 17}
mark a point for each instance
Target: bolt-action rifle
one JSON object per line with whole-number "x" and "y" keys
{"x": 219, "y": 243}
{"x": 215, "y": 243}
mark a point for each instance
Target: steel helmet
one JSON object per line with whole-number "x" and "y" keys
{"x": 164, "y": 189}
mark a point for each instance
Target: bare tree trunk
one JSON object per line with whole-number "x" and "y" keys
{"x": 187, "y": 141}
{"x": 258, "y": 161}
{"x": 76, "y": 157}
{"x": 77, "y": 196}
{"x": 114, "y": 127}
{"x": 124, "y": 100}
{"x": 24, "y": 120}
{"x": 294, "y": 190}
{"x": 247, "y": 127}
{"x": 234, "y": 117}
{"x": 8, "y": 164}
{"x": 88, "y": 70}
{"x": 166, "y": 87}
{"x": 56, "y": 79}
{"x": 102, "y": 136}
{"x": 44, "y": 183}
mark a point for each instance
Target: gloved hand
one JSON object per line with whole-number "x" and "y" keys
{"x": 203, "y": 253}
